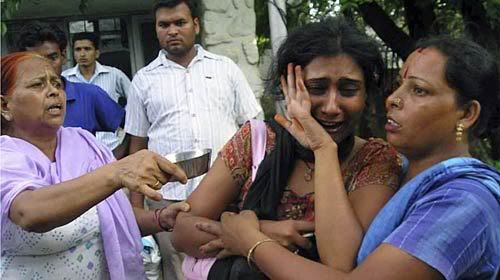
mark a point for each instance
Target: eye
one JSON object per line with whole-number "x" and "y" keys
{"x": 348, "y": 91}
{"x": 418, "y": 91}
{"x": 316, "y": 89}
{"x": 57, "y": 84}
{"x": 37, "y": 85}
{"x": 180, "y": 23}
{"x": 53, "y": 57}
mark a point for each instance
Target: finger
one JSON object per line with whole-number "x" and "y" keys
{"x": 209, "y": 227}
{"x": 170, "y": 169}
{"x": 302, "y": 93}
{"x": 290, "y": 79}
{"x": 298, "y": 78}
{"x": 224, "y": 254}
{"x": 212, "y": 247}
{"x": 150, "y": 193}
{"x": 282, "y": 121}
{"x": 248, "y": 213}
{"x": 173, "y": 210}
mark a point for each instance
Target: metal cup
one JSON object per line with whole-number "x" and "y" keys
{"x": 194, "y": 163}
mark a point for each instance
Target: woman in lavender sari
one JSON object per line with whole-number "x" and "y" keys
{"x": 64, "y": 214}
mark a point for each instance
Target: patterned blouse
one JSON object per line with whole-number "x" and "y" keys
{"x": 376, "y": 163}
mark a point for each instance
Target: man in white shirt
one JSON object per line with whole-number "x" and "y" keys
{"x": 187, "y": 98}
{"x": 110, "y": 79}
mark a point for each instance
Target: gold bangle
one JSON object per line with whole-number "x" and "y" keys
{"x": 252, "y": 249}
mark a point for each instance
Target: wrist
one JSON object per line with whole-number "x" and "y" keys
{"x": 327, "y": 148}
{"x": 163, "y": 225}
{"x": 250, "y": 239}
{"x": 111, "y": 176}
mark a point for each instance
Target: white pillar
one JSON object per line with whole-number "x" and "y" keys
{"x": 276, "y": 24}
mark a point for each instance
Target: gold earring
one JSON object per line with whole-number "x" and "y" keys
{"x": 459, "y": 132}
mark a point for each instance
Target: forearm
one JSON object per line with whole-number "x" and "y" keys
{"x": 338, "y": 230}
{"x": 122, "y": 150}
{"x": 146, "y": 221}
{"x": 271, "y": 256}
{"x": 49, "y": 207}
{"x": 187, "y": 238}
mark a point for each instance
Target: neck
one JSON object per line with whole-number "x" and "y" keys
{"x": 185, "y": 59}
{"x": 87, "y": 71}
{"x": 417, "y": 164}
{"x": 43, "y": 139}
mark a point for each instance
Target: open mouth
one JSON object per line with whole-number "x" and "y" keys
{"x": 55, "y": 109}
{"x": 392, "y": 125}
{"x": 331, "y": 127}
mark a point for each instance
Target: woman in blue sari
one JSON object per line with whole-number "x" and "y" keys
{"x": 444, "y": 223}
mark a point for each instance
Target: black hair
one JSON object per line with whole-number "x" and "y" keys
{"x": 91, "y": 36}
{"x": 192, "y": 5}
{"x": 329, "y": 37}
{"x": 33, "y": 35}
{"x": 473, "y": 73}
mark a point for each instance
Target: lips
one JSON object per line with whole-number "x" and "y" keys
{"x": 392, "y": 125}
{"x": 56, "y": 108}
{"x": 331, "y": 127}
{"x": 174, "y": 41}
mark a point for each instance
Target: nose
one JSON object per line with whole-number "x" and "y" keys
{"x": 53, "y": 91}
{"x": 172, "y": 30}
{"x": 331, "y": 104}
{"x": 394, "y": 101}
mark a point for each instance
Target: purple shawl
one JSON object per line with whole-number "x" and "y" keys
{"x": 24, "y": 166}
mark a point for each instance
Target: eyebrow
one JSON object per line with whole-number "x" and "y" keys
{"x": 417, "y": 78}
{"x": 343, "y": 80}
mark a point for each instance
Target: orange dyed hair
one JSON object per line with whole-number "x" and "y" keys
{"x": 9, "y": 68}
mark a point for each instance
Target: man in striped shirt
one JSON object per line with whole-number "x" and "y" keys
{"x": 187, "y": 98}
{"x": 110, "y": 79}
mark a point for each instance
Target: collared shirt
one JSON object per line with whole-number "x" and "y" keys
{"x": 115, "y": 83}
{"x": 184, "y": 108}
{"x": 89, "y": 107}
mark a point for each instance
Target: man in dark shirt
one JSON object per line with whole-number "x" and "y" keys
{"x": 87, "y": 105}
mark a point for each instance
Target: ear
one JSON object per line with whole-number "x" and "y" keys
{"x": 64, "y": 58}
{"x": 471, "y": 113}
{"x": 5, "y": 108}
{"x": 97, "y": 54}
{"x": 196, "y": 22}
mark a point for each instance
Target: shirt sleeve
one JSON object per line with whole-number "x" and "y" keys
{"x": 447, "y": 229}
{"x": 136, "y": 119}
{"x": 109, "y": 114}
{"x": 380, "y": 165}
{"x": 246, "y": 105}
{"x": 123, "y": 84}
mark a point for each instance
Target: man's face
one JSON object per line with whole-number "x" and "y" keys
{"x": 85, "y": 53}
{"x": 176, "y": 29}
{"x": 51, "y": 51}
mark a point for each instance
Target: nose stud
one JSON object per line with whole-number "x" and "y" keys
{"x": 397, "y": 101}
